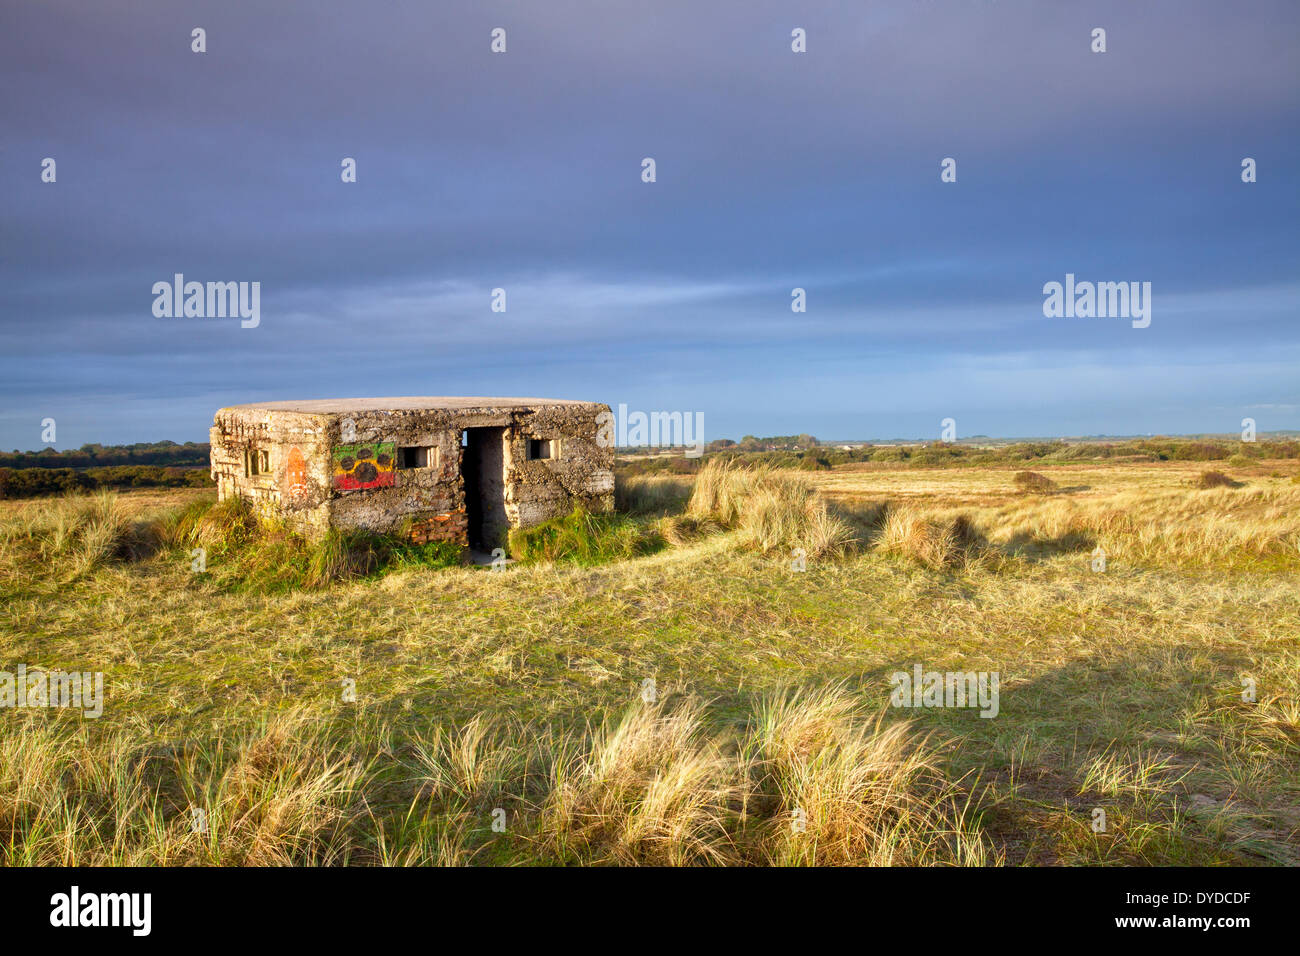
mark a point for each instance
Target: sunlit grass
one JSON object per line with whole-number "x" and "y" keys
{"x": 520, "y": 691}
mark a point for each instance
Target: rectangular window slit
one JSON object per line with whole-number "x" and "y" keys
{"x": 419, "y": 456}
{"x": 540, "y": 448}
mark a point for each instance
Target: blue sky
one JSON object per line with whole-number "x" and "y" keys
{"x": 522, "y": 171}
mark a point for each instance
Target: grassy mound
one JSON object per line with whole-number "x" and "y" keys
{"x": 930, "y": 542}
{"x": 585, "y": 539}
{"x": 1031, "y": 482}
{"x": 772, "y": 510}
{"x": 1215, "y": 479}
{"x": 245, "y": 553}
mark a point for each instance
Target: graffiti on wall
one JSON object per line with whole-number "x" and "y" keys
{"x": 358, "y": 467}
{"x": 295, "y": 474}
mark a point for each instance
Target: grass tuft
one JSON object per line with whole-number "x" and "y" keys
{"x": 1215, "y": 479}
{"x": 772, "y": 510}
{"x": 650, "y": 494}
{"x": 585, "y": 539}
{"x": 932, "y": 543}
{"x": 1031, "y": 482}
{"x": 662, "y": 783}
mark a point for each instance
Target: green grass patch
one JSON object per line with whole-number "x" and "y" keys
{"x": 277, "y": 561}
{"x": 585, "y": 539}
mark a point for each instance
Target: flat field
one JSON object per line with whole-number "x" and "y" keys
{"x": 705, "y": 702}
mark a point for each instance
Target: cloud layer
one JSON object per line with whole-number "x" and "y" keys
{"x": 775, "y": 170}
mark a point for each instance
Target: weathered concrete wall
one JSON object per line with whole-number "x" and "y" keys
{"x": 339, "y": 467}
{"x": 296, "y": 484}
{"x": 582, "y": 474}
{"x": 430, "y": 500}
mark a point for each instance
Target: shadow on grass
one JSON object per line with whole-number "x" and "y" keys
{"x": 1031, "y": 546}
{"x": 1126, "y": 733}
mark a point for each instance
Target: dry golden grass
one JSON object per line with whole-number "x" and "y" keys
{"x": 650, "y": 494}
{"x": 770, "y": 509}
{"x": 650, "y": 786}
{"x": 78, "y": 533}
{"x": 272, "y": 797}
{"x": 854, "y": 790}
{"x": 1147, "y": 514}
{"x": 654, "y": 786}
{"x": 480, "y": 691}
{"x": 935, "y": 544}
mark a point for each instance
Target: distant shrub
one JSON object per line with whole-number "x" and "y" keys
{"x": 99, "y": 456}
{"x": 944, "y": 454}
{"x": 1198, "y": 451}
{"x": 932, "y": 456}
{"x": 1215, "y": 479}
{"x": 813, "y": 462}
{"x": 1025, "y": 450}
{"x": 1087, "y": 450}
{"x": 40, "y": 482}
{"x": 890, "y": 453}
{"x": 1241, "y": 461}
{"x": 1273, "y": 449}
{"x": 1031, "y": 482}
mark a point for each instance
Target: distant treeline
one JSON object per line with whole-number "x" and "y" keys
{"x": 747, "y": 444}
{"x": 941, "y": 453}
{"x": 166, "y": 453}
{"x": 31, "y": 482}
{"x": 773, "y": 443}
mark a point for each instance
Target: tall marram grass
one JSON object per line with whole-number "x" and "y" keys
{"x": 67, "y": 538}
{"x": 935, "y": 543}
{"x": 851, "y": 788}
{"x": 1216, "y": 526}
{"x": 771, "y": 509}
{"x": 774, "y": 510}
{"x": 650, "y": 494}
{"x": 810, "y": 778}
{"x": 73, "y": 534}
{"x": 281, "y": 793}
{"x": 649, "y": 787}
{"x": 1213, "y": 527}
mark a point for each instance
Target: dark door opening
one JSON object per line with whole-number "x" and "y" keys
{"x": 483, "y": 468}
